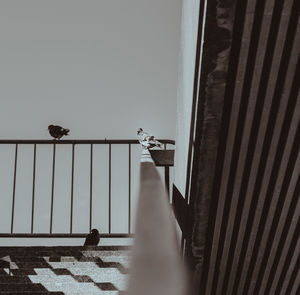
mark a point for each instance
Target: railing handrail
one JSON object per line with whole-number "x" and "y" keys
{"x": 63, "y": 235}
{"x": 156, "y": 264}
{"x": 72, "y": 142}
{"x": 78, "y": 141}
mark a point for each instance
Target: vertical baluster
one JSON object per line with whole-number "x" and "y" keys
{"x": 91, "y": 186}
{"x": 129, "y": 188}
{"x": 33, "y": 187}
{"x": 109, "y": 190}
{"x": 52, "y": 190}
{"x": 182, "y": 244}
{"x": 14, "y": 191}
{"x": 72, "y": 188}
{"x": 167, "y": 176}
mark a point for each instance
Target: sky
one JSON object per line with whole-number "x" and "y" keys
{"x": 101, "y": 69}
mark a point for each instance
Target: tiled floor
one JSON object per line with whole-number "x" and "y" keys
{"x": 65, "y": 270}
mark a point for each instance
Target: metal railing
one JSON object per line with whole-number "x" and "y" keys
{"x": 54, "y": 143}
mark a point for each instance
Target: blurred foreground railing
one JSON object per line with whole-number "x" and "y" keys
{"x": 156, "y": 265}
{"x": 72, "y": 143}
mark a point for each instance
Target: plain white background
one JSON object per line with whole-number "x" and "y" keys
{"x": 102, "y": 68}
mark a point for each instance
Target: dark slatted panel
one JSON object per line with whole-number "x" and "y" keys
{"x": 252, "y": 242}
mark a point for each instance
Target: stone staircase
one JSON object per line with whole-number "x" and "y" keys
{"x": 64, "y": 270}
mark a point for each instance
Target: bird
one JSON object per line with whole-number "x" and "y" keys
{"x": 147, "y": 141}
{"x": 93, "y": 238}
{"x": 57, "y": 132}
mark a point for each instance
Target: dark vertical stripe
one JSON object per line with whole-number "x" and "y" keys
{"x": 267, "y": 203}
{"x": 52, "y": 188}
{"x": 254, "y": 41}
{"x": 167, "y": 178}
{"x": 167, "y": 181}
{"x": 288, "y": 259}
{"x": 109, "y": 190}
{"x": 275, "y": 169}
{"x": 33, "y": 187}
{"x": 182, "y": 243}
{"x": 264, "y": 155}
{"x": 14, "y": 191}
{"x": 72, "y": 189}
{"x": 270, "y": 48}
{"x": 293, "y": 278}
{"x": 237, "y": 34}
{"x": 285, "y": 232}
{"x": 129, "y": 188}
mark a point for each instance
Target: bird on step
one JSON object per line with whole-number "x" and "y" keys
{"x": 57, "y": 132}
{"x": 93, "y": 238}
{"x": 147, "y": 141}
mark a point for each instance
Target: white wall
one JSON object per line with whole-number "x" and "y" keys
{"x": 102, "y": 68}
{"x": 189, "y": 26}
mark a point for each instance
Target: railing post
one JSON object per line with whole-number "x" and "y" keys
{"x": 91, "y": 186}
{"x": 109, "y": 190}
{"x": 167, "y": 180}
{"x": 72, "y": 189}
{"x": 129, "y": 188}
{"x": 52, "y": 189}
{"x": 33, "y": 187}
{"x": 91, "y": 143}
{"x": 14, "y": 191}
{"x": 167, "y": 177}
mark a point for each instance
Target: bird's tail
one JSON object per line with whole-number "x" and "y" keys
{"x": 66, "y": 131}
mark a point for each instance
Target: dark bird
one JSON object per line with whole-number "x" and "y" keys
{"x": 93, "y": 238}
{"x": 57, "y": 131}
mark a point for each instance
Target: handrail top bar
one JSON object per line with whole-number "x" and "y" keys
{"x": 77, "y": 141}
{"x": 63, "y": 235}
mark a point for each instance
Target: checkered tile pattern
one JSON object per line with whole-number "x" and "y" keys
{"x": 65, "y": 270}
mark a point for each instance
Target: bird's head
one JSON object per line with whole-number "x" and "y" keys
{"x": 139, "y": 130}
{"x": 50, "y": 126}
{"x": 95, "y": 232}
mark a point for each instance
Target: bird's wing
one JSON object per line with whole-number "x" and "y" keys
{"x": 153, "y": 141}
{"x": 88, "y": 240}
{"x": 148, "y": 141}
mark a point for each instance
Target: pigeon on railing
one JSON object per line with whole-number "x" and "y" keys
{"x": 147, "y": 141}
{"x": 57, "y": 132}
{"x": 93, "y": 238}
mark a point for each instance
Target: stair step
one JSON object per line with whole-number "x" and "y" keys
{"x": 32, "y": 292}
{"x": 14, "y": 279}
{"x": 62, "y": 293}
{"x": 65, "y": 270}
{"x": 36, "y": 249}
{"x": 22, "y": 287}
